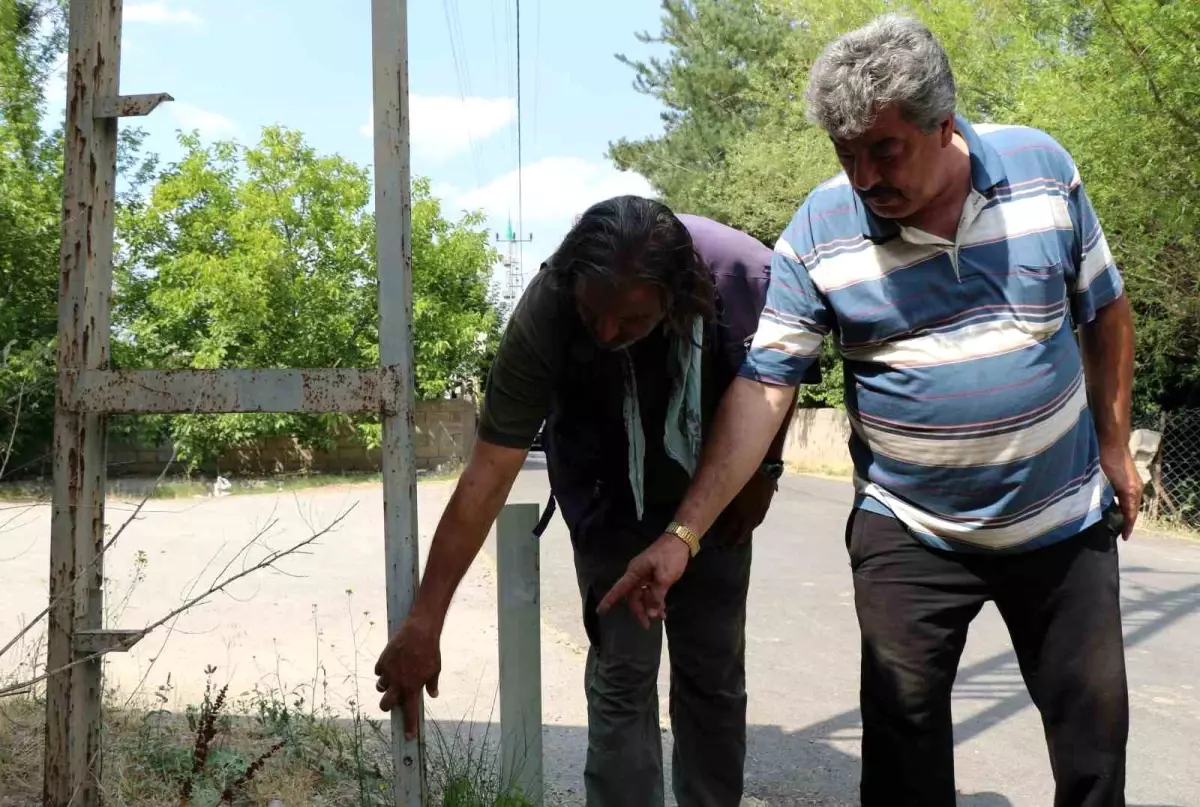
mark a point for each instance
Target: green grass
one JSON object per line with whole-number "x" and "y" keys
{"x": 465, "y": 771}
{"x": 248, "y": 750}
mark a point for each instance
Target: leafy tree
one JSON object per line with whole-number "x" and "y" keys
{"x": 703, "y": 86}
{"x": 1121, "y": 92}
{"x": 30, "y": 209}
{"x": 1117, "y": 82}
{"x": 32, "y": 40}
{"x": 263, "y": 256}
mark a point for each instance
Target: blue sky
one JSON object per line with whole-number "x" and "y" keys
{"x": 234, "y": 67}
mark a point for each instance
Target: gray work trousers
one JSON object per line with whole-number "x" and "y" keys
{"x": 706, "y": 642}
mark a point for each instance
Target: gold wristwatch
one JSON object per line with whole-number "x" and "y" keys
{"x": 687, "y": 535}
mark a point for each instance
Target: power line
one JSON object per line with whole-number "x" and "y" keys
{"x": 461, "y": 68}
{"x": 495, "y": 43}
{"x": 537, "y": 58}
{"x": 520, "y": 166}
{"x": 508, "y": 61}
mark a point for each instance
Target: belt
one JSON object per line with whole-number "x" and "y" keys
{"x": 544, "y": 521}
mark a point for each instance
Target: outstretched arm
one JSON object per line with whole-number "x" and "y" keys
{"x": 476, "y": 502}
{"x": 520, "y": 386}
{"x": 784, "y": 353}
{"x": 748, "y": 420}
{"x": 749, "y": 506}
{"x": 412, "y": 659}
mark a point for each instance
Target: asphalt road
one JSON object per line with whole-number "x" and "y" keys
{"x": 315, "y": 627}
{"x": 803, "y": 657}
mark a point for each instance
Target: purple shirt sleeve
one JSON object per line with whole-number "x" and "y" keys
{"x": 741, "y": 267}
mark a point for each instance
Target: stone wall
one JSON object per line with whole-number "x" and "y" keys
{"x": 445, "y": 431}
{"x": 817, "y": 442}
{"x": 445, "y": 434}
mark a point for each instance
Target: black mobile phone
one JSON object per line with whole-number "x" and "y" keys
{"x": 1114, "y": 519}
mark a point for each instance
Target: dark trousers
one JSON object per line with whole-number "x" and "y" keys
{"x": 706, "y": 642}
{"x": 1062, "y": 608}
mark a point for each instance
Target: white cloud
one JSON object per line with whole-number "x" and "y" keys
{"x": 555, "y": 189}
{"x": 161, "y": 14}
{"x": 210, "y": 124}
{"x": 444, "y": 126}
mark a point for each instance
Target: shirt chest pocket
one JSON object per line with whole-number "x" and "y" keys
{"x": 1038, "y": 296}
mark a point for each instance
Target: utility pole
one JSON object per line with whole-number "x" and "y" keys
{"x": 514, "y": 272}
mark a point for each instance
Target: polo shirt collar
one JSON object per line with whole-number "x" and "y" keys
{"x": 987, "y": 171}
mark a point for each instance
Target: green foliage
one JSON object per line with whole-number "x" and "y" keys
{"x": 235, "y": 256}
{"x": 704, "y": 85}
{"x": 263, "y": 256}
{"x": 30, "y": 208}
{"x": 465, "y": 771}
{"x": 1117, "y": 82}
{"x": 455, "y": 322}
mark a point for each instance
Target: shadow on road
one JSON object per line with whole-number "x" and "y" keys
{"x": 810, "y": 768}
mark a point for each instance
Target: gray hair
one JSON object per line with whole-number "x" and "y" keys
{"x": 891, "y": 60}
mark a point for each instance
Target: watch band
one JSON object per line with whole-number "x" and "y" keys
{"x": 687, "y": 535}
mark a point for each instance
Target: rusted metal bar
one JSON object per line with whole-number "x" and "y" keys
{"x": 393, "y": 254}
{"x": 73, "y": 697}
{"x": 184, "y": 391}
{"x": 129, "y": 106}
{"x": 88, "y": 390}
{"x": 90, "y": 642}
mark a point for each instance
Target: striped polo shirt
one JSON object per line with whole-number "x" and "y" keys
{"x": 964, "y": 381}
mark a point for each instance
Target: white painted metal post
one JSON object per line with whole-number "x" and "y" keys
{"x": 87, "y": 390}
{"x": 520, "y": 630}
{"x": 393, "y": 254}
{"x": 73, "y": 697}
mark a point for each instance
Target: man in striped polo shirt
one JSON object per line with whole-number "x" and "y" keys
{"x": 955, "y": 266}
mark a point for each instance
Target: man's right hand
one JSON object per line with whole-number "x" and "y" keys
{"x": 647, "y": 579}
{"x": 411, "y": 660}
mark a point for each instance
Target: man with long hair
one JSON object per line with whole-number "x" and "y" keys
{"x": 622, "y": 345}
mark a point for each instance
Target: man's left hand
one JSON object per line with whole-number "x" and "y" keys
{"x": 746, "y": 511}
{"x": 1117, "y": 464}
{"x": 647, "y": 579}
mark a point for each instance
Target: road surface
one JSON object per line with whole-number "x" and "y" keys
{"x": 803, "y": 655}
{"x": 318, "y": 624}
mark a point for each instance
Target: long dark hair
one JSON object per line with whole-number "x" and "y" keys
{"x": 633, "y": 238}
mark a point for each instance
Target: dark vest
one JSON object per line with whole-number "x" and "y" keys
{"x": 584, "y": 437}
{"x": 587, "y": 450}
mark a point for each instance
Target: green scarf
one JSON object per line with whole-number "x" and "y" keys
{"x": 681, "y": 435}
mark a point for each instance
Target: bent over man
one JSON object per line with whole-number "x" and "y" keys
{"x": 623, "y": 344}
{"x": 955, "y": 265}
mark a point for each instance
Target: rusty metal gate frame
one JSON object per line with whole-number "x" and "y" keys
{"x": 88, "y": 390}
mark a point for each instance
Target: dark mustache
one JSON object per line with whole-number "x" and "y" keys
{"x": 879, "y": 192}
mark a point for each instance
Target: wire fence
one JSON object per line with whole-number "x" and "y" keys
{"x": 1173, "y": 493}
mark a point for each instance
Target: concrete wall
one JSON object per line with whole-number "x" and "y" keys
{"x": 817, "y": 442}
{"x": 445, "y": 433}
